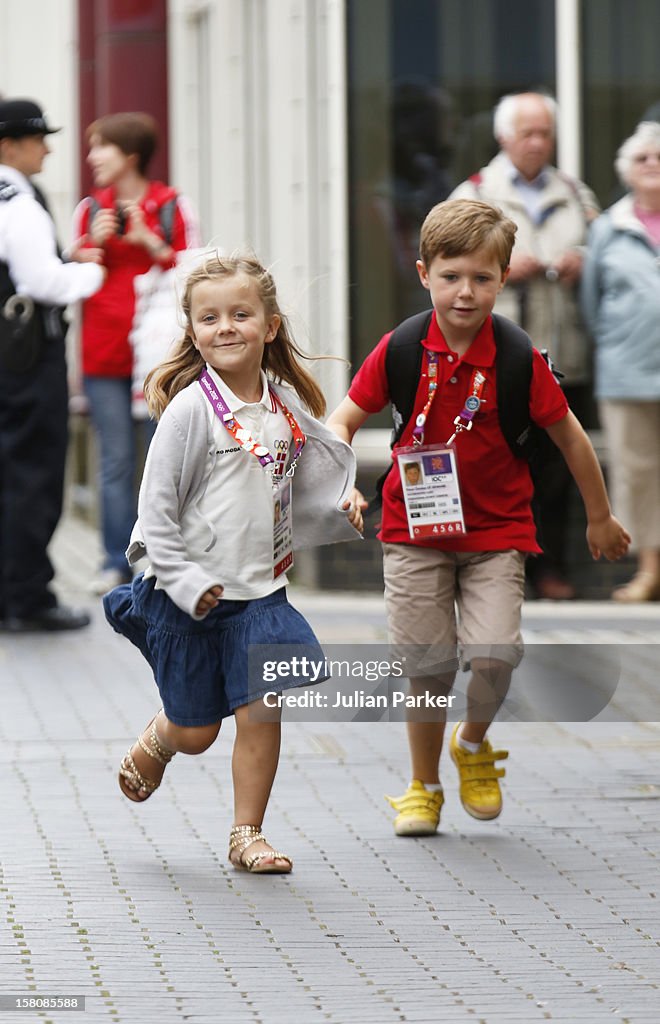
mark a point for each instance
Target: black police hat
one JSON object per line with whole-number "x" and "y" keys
{"x": 22, "y": 117}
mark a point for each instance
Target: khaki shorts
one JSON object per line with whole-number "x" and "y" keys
{"x": 445, "y": 608}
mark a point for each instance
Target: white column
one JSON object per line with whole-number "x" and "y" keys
{"x": 258, "y": 140}
{"x": 297, "y": 175}
{"x": 38, "y": 44}
{"x": 337, "y": 312}
{"x": 208, "y": 117}
{"x": 567, "y": 46}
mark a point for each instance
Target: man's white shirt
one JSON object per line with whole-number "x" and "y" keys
{"x": 29, "y": 248}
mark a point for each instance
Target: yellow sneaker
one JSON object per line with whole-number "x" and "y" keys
{"x": 419, "y": 810}
{"x": 479, "y": 790}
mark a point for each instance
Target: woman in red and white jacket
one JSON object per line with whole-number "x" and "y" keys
{"x": 138, "y": 223}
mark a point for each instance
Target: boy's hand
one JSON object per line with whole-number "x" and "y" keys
{"x": 608, "y": 538}
{"x": 208, "y": 600}
{"x": 356, "y": 505}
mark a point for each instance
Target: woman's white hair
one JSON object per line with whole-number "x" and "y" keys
{"x": 504, "y": 118}
{"x": 646, "y": 134}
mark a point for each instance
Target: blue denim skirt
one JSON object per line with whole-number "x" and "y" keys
{"x": 202, "y": 668}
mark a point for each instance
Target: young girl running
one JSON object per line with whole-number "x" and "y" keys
{"x": 229, "y": 438}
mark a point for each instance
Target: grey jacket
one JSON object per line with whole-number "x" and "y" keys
{"x": 547, "y": 310}
{"x": 178, "y": 467}
{"x": 621, "y": 302}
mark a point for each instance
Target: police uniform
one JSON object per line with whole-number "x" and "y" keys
{"x": 33, "y": 387}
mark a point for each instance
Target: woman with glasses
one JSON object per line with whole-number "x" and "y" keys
{"x": 621, "y": 303}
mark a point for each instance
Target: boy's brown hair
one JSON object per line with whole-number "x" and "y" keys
{"x": 459, "y": 227}
{"x": 133, "y": 132}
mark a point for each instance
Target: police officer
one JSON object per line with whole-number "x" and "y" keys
{"x": 35, "y": 285}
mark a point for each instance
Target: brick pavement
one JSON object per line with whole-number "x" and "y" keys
{"x": 549, "y": 913}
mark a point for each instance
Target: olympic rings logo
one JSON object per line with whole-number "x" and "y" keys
{"x": 281, "y": 446}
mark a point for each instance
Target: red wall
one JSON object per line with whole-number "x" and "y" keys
{"x": 122, "y": 66}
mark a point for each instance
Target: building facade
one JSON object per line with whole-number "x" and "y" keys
{"x": 319, "y": 132}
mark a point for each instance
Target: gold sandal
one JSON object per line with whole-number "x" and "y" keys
{"x": 129, "y": 770}
{"x": 241, "y": 838}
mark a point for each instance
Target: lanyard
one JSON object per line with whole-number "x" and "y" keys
{"x": 244, "y": 437}
{"x": 465, "y": 417}
{"x": 418, "y": 429}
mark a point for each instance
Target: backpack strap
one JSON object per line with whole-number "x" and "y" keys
{"x": 513, "y": 378}
{"x": 403, "y": 364}
{"x": 166, "y": 214}
{"x": 513, "y": 375}
{"x": 94, "y": 207}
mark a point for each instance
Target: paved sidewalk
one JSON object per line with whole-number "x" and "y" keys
{"x": 550, "y": 913}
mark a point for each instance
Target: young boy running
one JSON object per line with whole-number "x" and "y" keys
{"x": 454, "y": 549}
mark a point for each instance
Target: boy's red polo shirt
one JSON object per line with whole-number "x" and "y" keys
{"x": 496, "y": 487}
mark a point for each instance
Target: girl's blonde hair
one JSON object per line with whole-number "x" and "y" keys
{"x": 280, "y": 359}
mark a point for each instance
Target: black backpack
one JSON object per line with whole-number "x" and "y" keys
{"x": 513, "y": 377}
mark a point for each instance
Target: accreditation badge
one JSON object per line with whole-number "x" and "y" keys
{"x": 429, "y": 478}
{"x": 282, "y": 528}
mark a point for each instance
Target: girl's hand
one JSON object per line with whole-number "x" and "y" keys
{"x": 209, "y": 600}
{"x": 608, "y": 538}
{"x": 103, "y": 226}
{"x": 137, "y": 233}
{"x": 355, "y": 506}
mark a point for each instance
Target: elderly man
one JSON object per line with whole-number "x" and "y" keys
{"x": 552, "y": 212}
{"x": 34, "y": 286}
